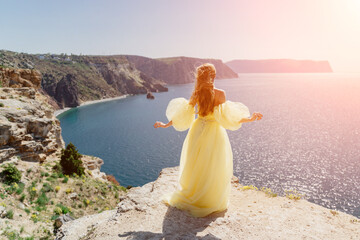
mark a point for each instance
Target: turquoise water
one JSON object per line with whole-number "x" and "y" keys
{"x": 308, "y": 140}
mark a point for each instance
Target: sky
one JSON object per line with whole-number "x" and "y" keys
{"x": 221, "y": 29}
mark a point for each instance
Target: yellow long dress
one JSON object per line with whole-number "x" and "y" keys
{"x": 206, "y": 162}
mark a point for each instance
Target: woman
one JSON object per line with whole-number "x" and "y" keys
{"x": 206, "y": 163}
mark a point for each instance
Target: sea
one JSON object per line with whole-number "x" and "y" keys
{"x": 308, "y": 140}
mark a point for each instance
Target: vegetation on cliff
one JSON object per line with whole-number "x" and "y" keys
{"x": 36, "y": 190}
{"x": 43, "y": 194}
{"x": 71, "y": 161}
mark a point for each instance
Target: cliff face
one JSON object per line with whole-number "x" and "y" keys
{"x": 30, "y": 140}
{"x": 20, "y": 78}
{"x": 28, "y": 127}
{"x": 73, "y": 79}
{"x": 251, "y": 214}
{"x": 279, "y": 66}
{"x": 178, "y": 70}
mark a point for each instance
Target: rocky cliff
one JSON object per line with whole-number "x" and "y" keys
{"x": 31, "y": 142}
{"x": 252, "y": 214}
{"x": 279, "y": 66}
{"x": 72, "y": 79}
{"x": 20, "y": 78}
{"x": 178, "y": 70}
{"x": 28, "y": 127}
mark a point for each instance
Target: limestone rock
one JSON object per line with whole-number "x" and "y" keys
{"x": 28, "y": 127}
{"x": 63, "y": 219}
{"x": 250, "y": 215}
{"x": 20, "y": 77}
{"x": 21, "y": 206}
{"x": 73, "y": 196}
{"x": 2, "y": 212}
{"x": 91, "y": 162}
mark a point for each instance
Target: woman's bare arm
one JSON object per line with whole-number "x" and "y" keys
{"x": 255, "y": 116}
{"x": 162, "y": 125}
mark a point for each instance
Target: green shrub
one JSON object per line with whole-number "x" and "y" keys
{"x": 58, "y": 210}
{"x": 1, "y": 105}
{"x": 20, "y": 188}
{"x": 22, "y": 197}
{"x": 10, "y": 214}
{"x": 46, "y": 188}
{"x": 63, "y": 208}
{"x": 71, "y": 161}
{"x": 42, "y": 200}
{"x": 65, "y": 180}
{"x": 54, "y": 175}
{"x": 11, "y": 174}
{"x": 12, "y": 188}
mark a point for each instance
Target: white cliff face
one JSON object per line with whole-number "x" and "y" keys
{"x": 28, "y": 127}
{"x": 251, "y": 215}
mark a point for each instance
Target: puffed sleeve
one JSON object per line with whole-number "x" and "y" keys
{"x": 229, "y": 113}
{"x": 181, "y": 113}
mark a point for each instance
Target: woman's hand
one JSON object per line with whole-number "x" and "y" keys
{"x": 255, "y": 116}
{"x": 162, "y": 125}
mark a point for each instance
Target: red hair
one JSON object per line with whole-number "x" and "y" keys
{"x": 203, "y": 93}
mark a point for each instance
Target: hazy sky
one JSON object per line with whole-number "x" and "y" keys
{"x": 225, "y": 29}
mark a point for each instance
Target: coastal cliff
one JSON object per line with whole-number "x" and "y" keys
{"x": 70, "y": 80}
{"x": 73, "y": 79}
{"x": 40, "y": 196}
{"x": 252, "y": 214}
{"x": 177, "y": 70}
{"x": 279, "y": 66}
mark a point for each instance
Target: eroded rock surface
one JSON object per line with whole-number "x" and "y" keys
{"x": 16, "y": 78}
{"x": 28, "y": 127}
{"x": 251, "y": 215}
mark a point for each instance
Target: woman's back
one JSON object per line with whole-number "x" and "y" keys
{"x": 219, "y": 98}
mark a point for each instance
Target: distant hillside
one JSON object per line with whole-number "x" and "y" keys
{"x": 72, "y": 79}
{"x": 279, "y": 66}
{"x": 178, "y": 70}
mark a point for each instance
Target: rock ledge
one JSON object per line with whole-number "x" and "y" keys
{"x": 251, "y": 215}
